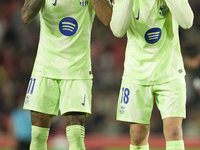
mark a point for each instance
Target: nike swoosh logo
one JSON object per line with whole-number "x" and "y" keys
{"x": 138, "y": 17}
{"x": 83, "y": 101}
{"x": 54, "y": 4}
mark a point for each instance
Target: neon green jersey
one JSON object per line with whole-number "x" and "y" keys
{"x": 153, "y": 53}
{"x": 64, "y": 45}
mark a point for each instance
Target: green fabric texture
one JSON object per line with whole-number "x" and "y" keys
{"x": 145, "y": 147}
{"x": 64, "y": 45}
{"x": 39, "y": 138}
{"x": 75, "y": 136}
{"x": 175, "y": 145}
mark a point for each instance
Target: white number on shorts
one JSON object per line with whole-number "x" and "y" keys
{"x": 125, "y": 95}
{"x": 31, "y": 85}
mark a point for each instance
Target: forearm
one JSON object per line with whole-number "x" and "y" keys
{"x": 121, "y": 18}
{"x": 103, "y": 10}
{"x": 182, "y": 12}
{"x": 30, "y": 10}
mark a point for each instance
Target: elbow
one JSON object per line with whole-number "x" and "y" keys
{"x": 25, "y": 18}
{"x": 107, "y": 23}
{"x": 106, "y": 20}
{"x": 118, "y": 34}
{"x": 188, "y": 23}
{"x": 188, "y": 26}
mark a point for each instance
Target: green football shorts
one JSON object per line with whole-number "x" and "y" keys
{"x": 48, "y": 96}
{"x": 135, "y": 102}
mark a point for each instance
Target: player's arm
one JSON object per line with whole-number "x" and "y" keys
{"x": 30, "y": 10}
{"x": 122, "y": 12}
{"x": 182, "y": 12}
{"x": 103, "y": 10}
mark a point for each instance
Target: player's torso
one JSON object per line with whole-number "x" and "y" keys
{"x": 67, "y": 15}
{"x": 153, "y": 52}
{"x": 149, "y": 20}
{"x": 64, "y": 45}
{"x": 66, "y": 19}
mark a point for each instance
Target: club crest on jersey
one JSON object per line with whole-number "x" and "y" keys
{"x": 68, "y": 26}
{"x": 163, "y": 10}
{"x": 153, "y": 35}
{"x": 26, "y": 99}
{"x": 122, "y": 109}
{"x": 83, "y": 2}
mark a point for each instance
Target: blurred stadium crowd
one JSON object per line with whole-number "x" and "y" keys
{"x": 18, "y": 48}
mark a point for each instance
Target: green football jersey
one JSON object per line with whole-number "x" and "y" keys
{"x": 64, "y": 45}
{"x": 153, "y": 54}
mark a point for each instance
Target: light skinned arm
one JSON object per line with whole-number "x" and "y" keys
{"x": 103, "y": 10}
{"x": 121, "y": 18}
{"x": 30, "y": 10}
{"x": 182, "y": 12}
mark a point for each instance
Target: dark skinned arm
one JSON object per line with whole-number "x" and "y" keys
{"x": 30, "y": 10}
{"x": 103, "y": 10}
